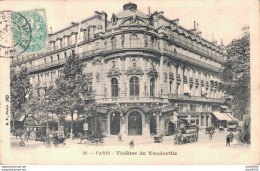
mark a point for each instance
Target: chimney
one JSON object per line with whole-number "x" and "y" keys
{"x": 195, "y": 25}
{"x": 213, "y": 40}
{"x": 149, "y": 12}
{"x": 176, "y": 21}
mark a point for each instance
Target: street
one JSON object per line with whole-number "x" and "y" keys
{"x": 218, "y": 140}
{"x": 204, "y": 151}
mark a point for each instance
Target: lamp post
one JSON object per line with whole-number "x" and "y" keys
{"x": 157, "y": 114}
{"x": 71, "y": 129}
{"x": 48, "y": 131}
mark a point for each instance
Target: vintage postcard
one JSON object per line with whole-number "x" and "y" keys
{"x": 140, "y": 82}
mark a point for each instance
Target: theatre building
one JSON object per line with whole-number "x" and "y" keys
{"x": 148, "y": 72}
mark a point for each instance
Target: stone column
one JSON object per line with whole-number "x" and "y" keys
{"x": 205, "y": 120}
{"x": 209, "y": 121}
{"x": 200, "y": 120}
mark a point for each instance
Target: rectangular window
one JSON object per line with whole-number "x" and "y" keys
{"x": 65, "y": 54}
{"x": 170, "y": 86}
{"x": 51, "y": 59}
{"x": 58, "y": 57}
{"x": 51, "y": 76}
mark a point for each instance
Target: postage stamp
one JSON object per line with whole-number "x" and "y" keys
{"x": 39, "y": 32}
{"x": 23, "y": 32}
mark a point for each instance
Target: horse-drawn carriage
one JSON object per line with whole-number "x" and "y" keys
{"x": 187, "y": 135}
{"x": 209, "y": 130}
{"x": 58, "y": 140}
{"x": 233, "y": 126}
{"x": 221, "y": 128}
{"x": 92, "y": 139}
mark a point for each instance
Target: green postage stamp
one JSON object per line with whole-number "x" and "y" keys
{"x": 39, "y": 33}
{"x": 23, "y": 32}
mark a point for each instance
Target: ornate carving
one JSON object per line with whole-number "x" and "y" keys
{"x": 153, "y": 73}
{"x": 165, "y": 76}
{"x": 133, "y": 18}
{"x": 113, "y": 72}
{"x": 134, "y": 71}
{"x": 97, "y": 76}
{"x": 171, "y": 76}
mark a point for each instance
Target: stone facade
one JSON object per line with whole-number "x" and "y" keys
{"x": 147, "y": 69}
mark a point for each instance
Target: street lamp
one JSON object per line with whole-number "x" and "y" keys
{"x": 48, "y": 131}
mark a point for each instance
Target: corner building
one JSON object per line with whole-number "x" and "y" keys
{"x": 149, "y": 73}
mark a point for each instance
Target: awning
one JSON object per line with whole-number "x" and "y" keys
{"x": 232, "y": 117}
{"x": 223, "y": 107}
{"x": 222, "y": 116}
{"x": 186, "y": 89}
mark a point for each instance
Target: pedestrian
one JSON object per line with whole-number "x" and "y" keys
{"x": 240, "y": 136}
{"x": 25, "y": 137}
{"x": 228, "y": 140}
{"x": 131, "y": 144}
{"x": 119, "y": 137}
{"x": 21, "y": 143}
{"x": 17, "y": 132}
{"x": 210, "y": 134}
{"x": 231, "y": 136}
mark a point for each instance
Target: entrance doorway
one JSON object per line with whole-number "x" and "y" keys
{"x": 171, "y": 128}
{"x": 115, "y": 123}
{"x": 152, "y": 125}
{"x": 135, "y": 124}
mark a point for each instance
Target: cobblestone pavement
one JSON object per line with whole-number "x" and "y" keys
{"x": 218, "y": 140}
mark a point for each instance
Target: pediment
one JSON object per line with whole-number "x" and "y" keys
{"x": 134, "y": 71}
{"x": 113, "y": 73}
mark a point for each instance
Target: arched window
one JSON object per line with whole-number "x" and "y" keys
{"x": 134, "y": 40}
{"x": 152, "y": 87}
{"x": 134, "y": 86}
{"x": 113, "y": 43}
{"x": 114, "y": 87}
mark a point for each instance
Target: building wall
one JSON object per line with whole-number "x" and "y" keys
{"x": 172, "y": 51}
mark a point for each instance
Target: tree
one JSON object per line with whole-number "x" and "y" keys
{"x": 71, "y": 91}
{"x": 236, "y": 72}
{"x": 20, "y": 90}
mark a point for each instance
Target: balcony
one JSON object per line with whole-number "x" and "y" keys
{"x": 197, "y": 81}
{"x": 112, "y": 48}
{"x": 194, "y": 98}
{"x": 185, "y": 79}
{"x": 132, "y": 99}
{"x": 192, "y": 60}
{"x": 191, "y": 81}
{"x": 47, "y": 65}
{"x": 178, "y": 78}
{"x": 195, "y": 48}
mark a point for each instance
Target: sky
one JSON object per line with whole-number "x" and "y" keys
{"x": 221, "y": 19}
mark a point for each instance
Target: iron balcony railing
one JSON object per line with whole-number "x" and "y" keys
{"x": 196, "y": 48}
{"x": 195, "y": 98}
{"x": 132, "y": 98}
{"x": 111, "y": 47}
{"x": 47, "y": 65}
